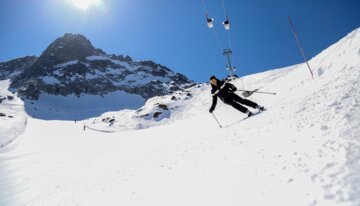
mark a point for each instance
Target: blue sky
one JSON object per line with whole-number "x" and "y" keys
{"x": 174, "y": 32}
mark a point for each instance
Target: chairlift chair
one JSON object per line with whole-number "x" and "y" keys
{"x": 226, "y": 24}
{"x": 210, "y": 22}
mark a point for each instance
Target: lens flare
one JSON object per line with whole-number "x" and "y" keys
{"x": 85, "y": 5}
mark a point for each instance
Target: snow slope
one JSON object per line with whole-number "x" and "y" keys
{"x": 12, "y": 116}
{"x": 303, "y": 150}
{"x": 71, "y": 107}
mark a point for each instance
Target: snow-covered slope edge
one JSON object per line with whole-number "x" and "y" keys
{"x": 332, "y": 67}
{"x": 12, "y": 116}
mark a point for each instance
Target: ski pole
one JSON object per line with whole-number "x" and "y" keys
{"x": 216, "y": 120}
{"x": 257, "y": 92}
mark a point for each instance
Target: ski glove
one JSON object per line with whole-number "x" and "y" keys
{"x": 211, "y": 109}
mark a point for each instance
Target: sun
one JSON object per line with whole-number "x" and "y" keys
{"x": 84, "y": 5}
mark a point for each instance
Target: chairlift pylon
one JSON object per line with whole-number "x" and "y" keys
{"x": 226, "y": 23}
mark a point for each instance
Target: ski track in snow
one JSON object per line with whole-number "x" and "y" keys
{"x": 304, "y": 150}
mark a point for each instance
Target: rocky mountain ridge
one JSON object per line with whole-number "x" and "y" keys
{"x": 72, "y": 65}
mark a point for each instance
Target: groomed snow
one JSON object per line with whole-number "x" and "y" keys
{"x": 304, "y": 150}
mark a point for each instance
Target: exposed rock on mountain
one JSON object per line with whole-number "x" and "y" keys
{"x": 15, "y": 67}
{"x": 72, "y": 65}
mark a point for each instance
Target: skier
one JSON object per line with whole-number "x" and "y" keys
{"x": 225, "y": 91}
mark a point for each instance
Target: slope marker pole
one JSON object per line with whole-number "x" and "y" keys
{"x": 300, "y": 47}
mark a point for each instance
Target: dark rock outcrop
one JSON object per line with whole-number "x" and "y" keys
{"x": 15, "y": 67}
{"x": 72, "y": 65}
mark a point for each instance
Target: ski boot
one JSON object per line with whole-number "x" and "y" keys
{"x": 260, "y": 108}
{"x": 249, "y": 114}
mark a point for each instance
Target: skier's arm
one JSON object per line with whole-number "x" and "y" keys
{"x": 214, "y": 102}
{"x": 231, "y": 88}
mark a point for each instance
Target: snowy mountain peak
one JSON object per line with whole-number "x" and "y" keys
{"x": 67, "y": 48}
{"x": 72, "y": 67}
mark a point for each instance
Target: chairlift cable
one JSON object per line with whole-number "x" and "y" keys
{"x": 204, "y": 6}
{"x": 220, "y": 46}
{"x": 210, "y": 25}
{"x": 217, "y": 40}
{"x": 214, "y": 31}
{"x": 229, "y": 38}
{"x": 226, "y": 24}
{"x": 226, "y": 17}
{"x": 224, "y": 9}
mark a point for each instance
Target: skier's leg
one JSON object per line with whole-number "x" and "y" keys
{"x": 244, "y": 101}
{"x": 240, "y": 107}
{"x": 236, "y": 106}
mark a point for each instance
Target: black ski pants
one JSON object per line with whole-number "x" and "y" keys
{"x": 235, "y": 101}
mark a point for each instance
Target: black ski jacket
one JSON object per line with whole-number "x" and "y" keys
{"x": 223, "y": 90}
